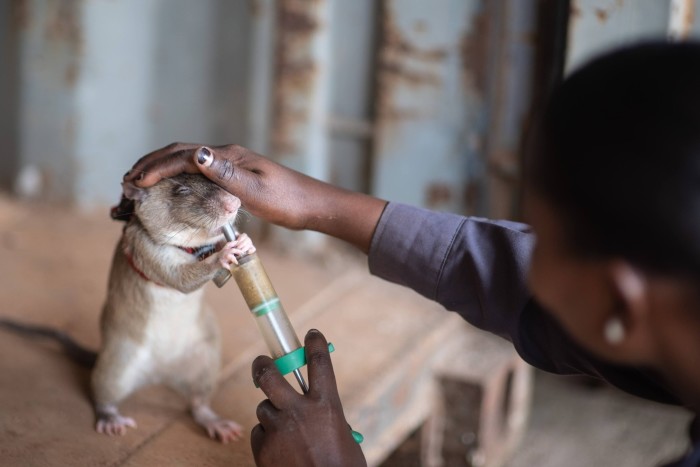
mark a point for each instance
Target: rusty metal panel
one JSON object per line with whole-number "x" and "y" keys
{"x": 262, "y": 53}
{"x": 430, "y": 117}
{"x": 598, "y": 25}
{"x": 50, "y": 41}
{"x": 353, "y": 44}
{"x": 301, "y": 84}
{"x": 99, "y": 84}
{"x": 301, "y": 99}
{"x": 510, "y": 101}
{"x": 9, "y": 89}
{"x": 694, "y": 19}
{"x": 682, "y": 18}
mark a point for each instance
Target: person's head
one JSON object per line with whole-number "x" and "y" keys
{"x": 613, "y": 194}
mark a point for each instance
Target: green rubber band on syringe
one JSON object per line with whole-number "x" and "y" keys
{"x": 266, "y": 307}
{"x": 297, "y": 359}
{"x": 294, "y": 360}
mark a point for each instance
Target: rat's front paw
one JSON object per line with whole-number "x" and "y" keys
{"x": 229, "y": 254}
{"x": 114, "y": 424}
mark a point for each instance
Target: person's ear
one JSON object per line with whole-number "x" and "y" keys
{"x": 627, "y": 327}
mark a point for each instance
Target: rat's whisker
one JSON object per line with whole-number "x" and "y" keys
{"x": 243, "y": 213}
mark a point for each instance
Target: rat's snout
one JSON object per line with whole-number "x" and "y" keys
{"x": 231, "y": 204}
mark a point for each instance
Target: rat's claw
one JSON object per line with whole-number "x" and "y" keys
{"x": 224, "y": 430}
{"x": 231, "y": 251}
{"x": 114, "y": 425}
{"x": 244, "y": 243}
{"x": 227, "y": 259}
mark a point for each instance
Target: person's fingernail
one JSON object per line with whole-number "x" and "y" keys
{"x": 259, "y": 372}
{"x": 204, "y": 156}
{"x": 314, "y": 331}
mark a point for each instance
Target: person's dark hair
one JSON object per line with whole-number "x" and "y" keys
{"x": 617, "y": 154}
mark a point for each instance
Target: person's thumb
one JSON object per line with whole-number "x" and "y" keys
{"x": 215, "y": 167}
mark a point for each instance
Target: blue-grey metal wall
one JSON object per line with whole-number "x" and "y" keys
{"x": 426, "y": 97}
{"x": 597, "y": 25}
{"x": 414, "y": 101}
{"x": 100, "y": 83}
{"x": 431, "y": 107}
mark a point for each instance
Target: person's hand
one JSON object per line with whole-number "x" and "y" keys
{"x": 268, "y": 190}
{"x": 302, "y": 430}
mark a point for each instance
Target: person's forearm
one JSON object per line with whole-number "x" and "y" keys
{"x": 346, "y": 215}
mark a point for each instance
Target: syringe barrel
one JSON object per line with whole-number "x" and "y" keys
{"x": 263, "y": 302}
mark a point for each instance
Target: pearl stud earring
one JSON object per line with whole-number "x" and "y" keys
{"x": 614, "y": 331}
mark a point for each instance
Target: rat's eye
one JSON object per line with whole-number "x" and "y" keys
{"x": 181, "y": 190}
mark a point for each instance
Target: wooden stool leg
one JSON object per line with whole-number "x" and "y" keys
{"x": 480, "y": 409}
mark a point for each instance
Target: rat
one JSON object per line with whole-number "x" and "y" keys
{"x": 155, "y": 327}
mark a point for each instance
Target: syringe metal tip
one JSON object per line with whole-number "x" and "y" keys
{"x": 229, "y": 232}
{"x": 224, "y": 275}
{"x": 300, "y": 380}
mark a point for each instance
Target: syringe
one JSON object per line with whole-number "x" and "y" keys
{"x": 263, "y": 302}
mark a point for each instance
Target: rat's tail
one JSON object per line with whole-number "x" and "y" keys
{"x": 75, "y": 351}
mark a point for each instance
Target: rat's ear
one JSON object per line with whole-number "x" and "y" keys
{"x": 133, "y": 192}
{"x": 122, "y": 211}
{"x": 125, "y": 209}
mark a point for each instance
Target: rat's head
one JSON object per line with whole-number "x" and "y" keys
{"x": 185, "y": 210}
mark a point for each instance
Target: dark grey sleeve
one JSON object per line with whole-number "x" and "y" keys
{"x": 477, "y": 268}
{"x": 473, "y": 266}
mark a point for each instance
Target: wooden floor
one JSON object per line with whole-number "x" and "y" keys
{"x": 54, "y": 268}
{"x": 54, "y": 264}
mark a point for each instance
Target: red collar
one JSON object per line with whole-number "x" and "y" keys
{"x": 200, "y": 253}
{"x": 132, "y": 263}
